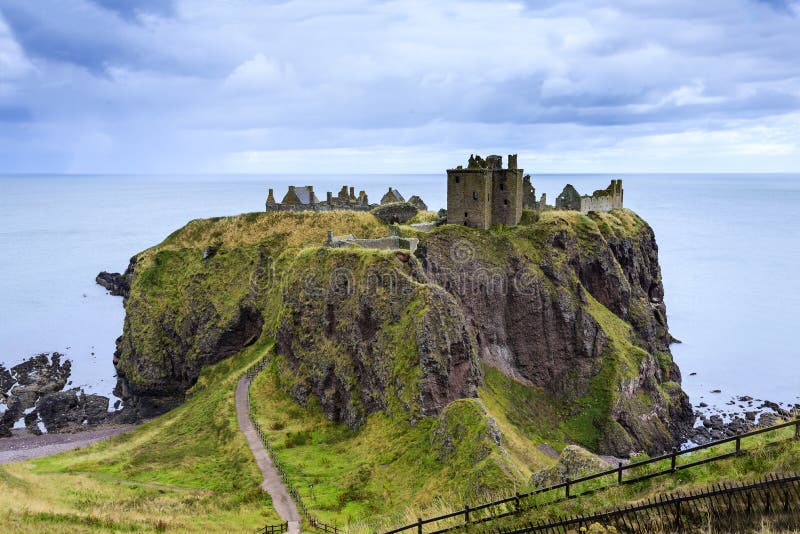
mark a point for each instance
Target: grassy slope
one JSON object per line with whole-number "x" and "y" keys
{"x": 189, "y": 470}
{"x": 769, "y": 453}
{"x": 389, "y": 467}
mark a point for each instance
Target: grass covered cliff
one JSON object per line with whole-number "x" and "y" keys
{"x": 453, "y": 370}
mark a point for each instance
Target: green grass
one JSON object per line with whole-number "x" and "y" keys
{"x": 390, "y": 469}
{"x": 770, "y": 453}
{"x": 189, "y": 470}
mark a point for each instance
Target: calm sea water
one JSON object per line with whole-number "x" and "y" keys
{"x": 729, "y": 248}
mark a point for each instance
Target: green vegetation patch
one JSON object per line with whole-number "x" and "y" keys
{"x": 189, "y": 470}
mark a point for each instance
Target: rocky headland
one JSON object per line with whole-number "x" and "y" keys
{"x": 566, "y": 305}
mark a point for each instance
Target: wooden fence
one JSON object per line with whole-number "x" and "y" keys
{"x": 724, "y": 508}
{"x": 568, "y": 489}
{"x": 273, "y": 529}
{"x": 313, "y": 521}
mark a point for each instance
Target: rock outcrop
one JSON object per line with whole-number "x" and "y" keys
{"x": 538, "y": 299}
{"x": 573, "y": 462}
{"x": 32, "y": 390}
{"x": 377, "y": 337}
{"x": 569, "y": 305}
{"x": 116, "y": 283}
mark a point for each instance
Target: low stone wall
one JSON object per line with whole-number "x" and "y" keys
{"x": 382, "y": 243}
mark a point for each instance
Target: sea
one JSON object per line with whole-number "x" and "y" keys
{"x": 729, "y": 248}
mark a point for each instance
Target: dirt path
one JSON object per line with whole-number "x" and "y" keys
{"x": 272, "y": 484}
{"x": 23, "y": 445}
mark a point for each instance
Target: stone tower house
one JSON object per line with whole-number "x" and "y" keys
{"x": 485, "y": 194}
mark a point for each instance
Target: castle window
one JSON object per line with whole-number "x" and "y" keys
{"x": 458, "y": 179}
{"x": 505, "y": 202}
{"x": 502, "y": 186}
{"x": 466, "y": 214}
{"x": 474, "y": 195}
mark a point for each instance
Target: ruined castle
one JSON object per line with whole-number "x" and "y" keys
{"x": 485, "y": 194}
{"x": 303, "y": 198}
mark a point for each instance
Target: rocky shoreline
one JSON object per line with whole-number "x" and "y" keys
{"x": 33, "y": 391}
{"x": 745, "y": 414}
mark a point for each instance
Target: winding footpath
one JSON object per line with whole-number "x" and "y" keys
{"x": 272, "y": 484}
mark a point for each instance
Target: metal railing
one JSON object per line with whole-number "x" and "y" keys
{"x": 514, "y": 504}
{"x": 729, "y": 508}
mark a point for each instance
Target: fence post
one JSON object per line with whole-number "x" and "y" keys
{"x": 797, "y": 428}
{"x": 678, "y": 518}
{"x": 619, "y": 473}
{"x": 419, "y": 525}
{"x": 738, "y": 442}
{"x": 466, "y": 515}
{"x": 516, "y": 502}
{"x": 674, "y": 458}
{"x": 567, "y": 486}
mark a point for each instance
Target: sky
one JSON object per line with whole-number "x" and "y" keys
{"x": 356, "y": 86}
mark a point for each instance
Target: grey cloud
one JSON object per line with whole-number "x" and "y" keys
{"x": 240, "y": 75}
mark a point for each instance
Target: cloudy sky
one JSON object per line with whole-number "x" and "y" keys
{"x": 160, "y": 86}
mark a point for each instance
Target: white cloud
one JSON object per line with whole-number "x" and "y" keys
{"x": 259, "y": 72}
{"x": 13, "y": 62}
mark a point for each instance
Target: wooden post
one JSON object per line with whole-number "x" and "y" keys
{"x": 738, "y": 442}
{"x": 619, "y": 473}
{"x": 466, "y": 515}
{"x": 517, "y": 504}
{"x": 419, "y": 525}
{"x": 673, "y": 459}
{"x": 567, "y": 487}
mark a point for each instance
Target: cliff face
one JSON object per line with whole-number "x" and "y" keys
{"x": 573, "y": 304}
{"x": 374, "y": 336}
{"x": 568, "y": 305}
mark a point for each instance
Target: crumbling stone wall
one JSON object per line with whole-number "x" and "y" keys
{"x": 569, "y": 199}
{"x": 603, "y": 199}
{"x": 391, "y": 242}
{"x": 302, "y": 198}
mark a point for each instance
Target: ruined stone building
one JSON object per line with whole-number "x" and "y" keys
{"x": 485, "y": 194}
{"x": 601, "y": 200}
{"x": 391, "y": 196}
{"x": 303, "y": 198}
